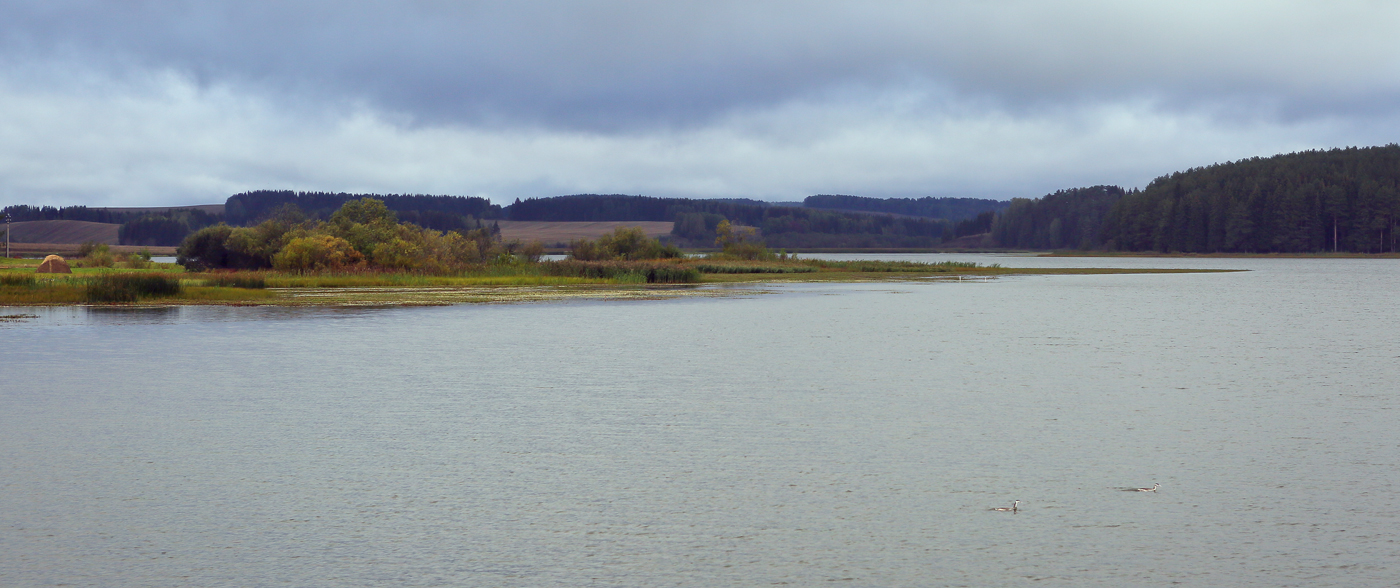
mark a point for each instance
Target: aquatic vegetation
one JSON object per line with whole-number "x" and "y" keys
{"x": 626, "y": 272}
{"x": 251, "y": 280}
{"x": 16, "y": 279}
{"x": 131, "y": 287}
{"x": 714, "y": 268}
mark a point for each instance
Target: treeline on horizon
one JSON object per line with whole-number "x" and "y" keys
{"x": 953, "y": 209}
{"x": 782, "y": 226}
{"x": 1343, "y": 200}
{"x": 785, "y": 225}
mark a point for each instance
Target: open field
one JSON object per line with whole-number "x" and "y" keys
{"x": 62, "y": 231}
{"x": 554, "y": 233}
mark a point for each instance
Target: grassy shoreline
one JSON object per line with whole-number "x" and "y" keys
{"x": 169, "y": 284}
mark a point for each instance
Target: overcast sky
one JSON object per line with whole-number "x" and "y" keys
{"x": 164, "y": 103}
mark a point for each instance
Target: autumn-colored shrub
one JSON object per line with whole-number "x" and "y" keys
{"x": 316, "y": 253}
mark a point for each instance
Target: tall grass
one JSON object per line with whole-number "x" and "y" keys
{"x": 17, "y": 280}
{"x": 712, "y": 268}
{"x": 131, "y": 287}
{"x": 626, "y": 272}
{"x": 254, "y": 281}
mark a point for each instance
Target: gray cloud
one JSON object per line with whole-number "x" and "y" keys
{"x": 136, "y": 101}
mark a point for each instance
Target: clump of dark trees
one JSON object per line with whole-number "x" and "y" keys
{"x": 1314, "y": 201}
{"x": 362, "y": 234}
{"x": 440, "y": 213}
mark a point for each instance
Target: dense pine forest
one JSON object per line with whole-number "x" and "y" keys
{"x": 1068, "y": 219}
{"x": 1337, "y": 200}
{"x": 1342, "y": 200}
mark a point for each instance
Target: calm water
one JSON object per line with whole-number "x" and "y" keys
{"x": 848, "y": 433}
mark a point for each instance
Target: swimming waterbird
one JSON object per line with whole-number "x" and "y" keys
{"x": 1013, "y": 508}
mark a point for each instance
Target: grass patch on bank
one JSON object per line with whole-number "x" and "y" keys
{"x": 19, "y": 291}
{"x": 6, "y": 262}
{"x": 941, "y": 267}
{"x": 484, "y": 283}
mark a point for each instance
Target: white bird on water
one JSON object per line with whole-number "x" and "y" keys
{"x": 1154, "y": 488}
{"x": 1013, "y": 508}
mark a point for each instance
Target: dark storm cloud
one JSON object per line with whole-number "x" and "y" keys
{"x": 179, "y": 102}
{"x": 620, "y": 64}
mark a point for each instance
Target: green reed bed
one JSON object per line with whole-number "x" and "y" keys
{"x": 624, "y": 272}
{"x": 12, "y": 279}
{"x": 131, "y": 287}
{"x": 27, "y": 289}
{"x": 247, "y": 280}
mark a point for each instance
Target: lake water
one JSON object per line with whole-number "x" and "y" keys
{"x": 824, "y": 434}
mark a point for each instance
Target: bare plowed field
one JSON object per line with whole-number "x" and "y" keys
{"x": 63, "y": 231}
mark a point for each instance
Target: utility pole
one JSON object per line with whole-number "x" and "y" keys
{"x": 7, "y": 235}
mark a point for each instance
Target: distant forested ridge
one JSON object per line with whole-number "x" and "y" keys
{"x": 24, "y": 212}
{"x": 781, "y": 225}
{"x": 953, "y": 209}
{"x": 443, "y": 213}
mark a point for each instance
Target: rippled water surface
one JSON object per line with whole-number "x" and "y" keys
{"x": 857, "y": 434}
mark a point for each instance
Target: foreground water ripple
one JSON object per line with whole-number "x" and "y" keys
{"x": 855, "y": 434}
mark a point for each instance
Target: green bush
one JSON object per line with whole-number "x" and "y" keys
{"x": 98, "y": 255}
{"x": 623, "y": 243}
{"x": 316, "y": 253}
